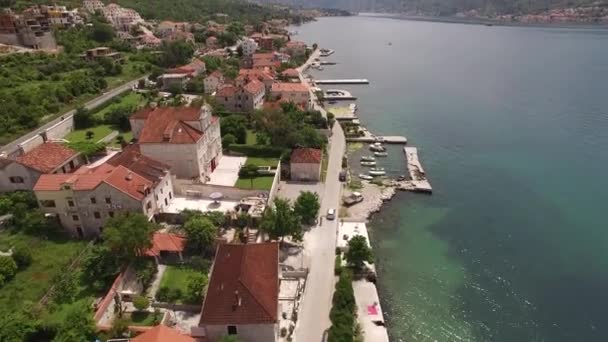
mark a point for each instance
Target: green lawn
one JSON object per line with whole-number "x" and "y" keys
{"x": 131, "y": 99}
{"x": 100, "y": 131}
{"x": 143, "y": 318}
{"x": 176, "y": 277}
{"x": 272, "y": 162}
{"x": 49, "y": 257}
{"x": 259, "y": 183}
{"x": 250, "y": 140}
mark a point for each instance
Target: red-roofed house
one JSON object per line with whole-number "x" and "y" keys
{"x": 246, "y": 96}
{"x": 297, "y": 93}
{"x": 264, "y": 76}
{"x": 291, "y": 74}
{"x": 295, "y": 49}
{"x": 84, "y": 200}
{"x": 165, "y": 245}
{"x": 305, "y": 164}
{"x": 263, "y": 61}
{"x": 162, "y": 333}
{"x": 22, "y": 172}
{"x": 185, "y": 138}
{"x": 243, "y": 292}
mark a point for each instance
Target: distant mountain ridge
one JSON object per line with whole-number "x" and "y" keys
{"x": 564, "y": 10}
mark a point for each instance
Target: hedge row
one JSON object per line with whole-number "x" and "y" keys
{"x": 343, "y": 310}
{"x": 259, "y": 151}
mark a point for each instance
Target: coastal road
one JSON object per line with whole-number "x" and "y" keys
{"x": 14, "y": 145}
{"x": 320, "y": 246}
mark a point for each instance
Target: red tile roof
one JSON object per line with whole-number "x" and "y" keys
{"x": 86, "y": 179}
{"x": 254, "y": 87}
{"x": 162, "y": 333}
{"x": 259, "y": 74}
{"x": 291, "y": 72}
{"x": 166, "y": 242}
{"x": 194, "y": 67}
{"x": 244, "y": 285}
{"x": 47, "y": 157}
{"x": 226, "y": 91}
{"x": 295, "y": 44}
{"x": 132, "y": 159}
{"x": 306, "y": 156}
{"x": 167, "y": 125}
{"x": 287, "y": 87}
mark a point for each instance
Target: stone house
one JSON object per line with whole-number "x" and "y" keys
{"x": 245, "y": 98}
{"x": 83, "y": 201}
{"x": 185, "y": 138}
{"x": 295, "y": 48}
{"x": 213, "y": 81}
{"x": 22, "y": 172}
{"x": 305, "y": 164}
{"x": 264, "y": 76}
{"x": 242, "y": 295}
{"x": 297, "y": 93}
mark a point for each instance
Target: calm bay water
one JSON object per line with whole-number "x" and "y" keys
{"x": 512, "y": 128}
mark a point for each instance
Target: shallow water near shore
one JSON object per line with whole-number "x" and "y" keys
{"x": 512, "y": 129}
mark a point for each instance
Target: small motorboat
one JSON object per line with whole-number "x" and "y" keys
{"x": 377, "y": 147}
{"x": 376, "y": 173}
{"x": 377, "y": 169}
{"x": 401, "y": 178}
{"x": 381, "y": 154}
{"x": 368, "y": 163}
{"x": 367, "y": 158}
{"x": 366, "y": 177}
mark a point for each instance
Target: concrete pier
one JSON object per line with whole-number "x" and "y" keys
{"x": 345, "y": 81}
{"x": 386, "y": 139}
{"x": 419, "y": 181}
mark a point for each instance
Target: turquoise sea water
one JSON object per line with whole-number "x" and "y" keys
{"x": 512, "y": 128}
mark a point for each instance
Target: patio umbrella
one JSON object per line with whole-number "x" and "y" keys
{"x": 216, "y": 196}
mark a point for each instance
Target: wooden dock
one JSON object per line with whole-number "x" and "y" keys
{"x": 345, "y": 81}
{"x": 418, "y": 181}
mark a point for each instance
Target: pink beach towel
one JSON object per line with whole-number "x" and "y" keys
{"x": 372, "y": 310}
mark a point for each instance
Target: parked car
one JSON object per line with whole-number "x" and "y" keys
{"x": 331, "y": 214}
{"x": 342, "y": 176}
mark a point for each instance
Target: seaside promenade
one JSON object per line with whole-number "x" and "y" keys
{"x": 320, "y": 243}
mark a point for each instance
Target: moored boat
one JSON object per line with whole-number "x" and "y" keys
{"x": 381, "y": 154}
{"x": 367, "y": 158}
{"x": 366, "y": 177}
{"x": 368, "y": 163}
{"x": 376, "y": 173}
{"x": 377, "y": 147}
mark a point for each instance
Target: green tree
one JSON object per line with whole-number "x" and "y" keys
{"x": 176, "y": 53}
{"x": 235, "y": 125}
{"x": 16, "y": 325}
{"x": 280, "y": 220}
{"x": 175, "y": 89}
{"x": 141, "y": 303}
{"x": 89, "y": 135}
{"x": 249, "y": 171}
{"x": 22, "y": 254}
{"x": 78, "y": 324}
{"x": 358, "y": 252}
{"x": 310, "y": 137}
{"x": 120, "y": 326}
{"x": 201, "y": 233}
{"x": 8, "y": 267}
{"x": 100, "y": 267}
{"x": 128, "y": 235}
{"x": 119, "y": 117}
{"x": 83, "y": 118}
{"x": 307, "y": 207}
{"x": 228, "y": 140}
{"x": 65, "y": 287}
{"x": 343, "y": 311}
{"x": 102, "y": 32}
{"x": 196, "y": 284}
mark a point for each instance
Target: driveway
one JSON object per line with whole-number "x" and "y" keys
{"x": 227, "y": 171}
{"x": 291, "y": 190}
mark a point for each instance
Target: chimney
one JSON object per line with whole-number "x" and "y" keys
{"x": 129, "y": 176}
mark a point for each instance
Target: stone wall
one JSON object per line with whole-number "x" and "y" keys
{"x": 275, "y": 183}
{"x": 60, "y": 129}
